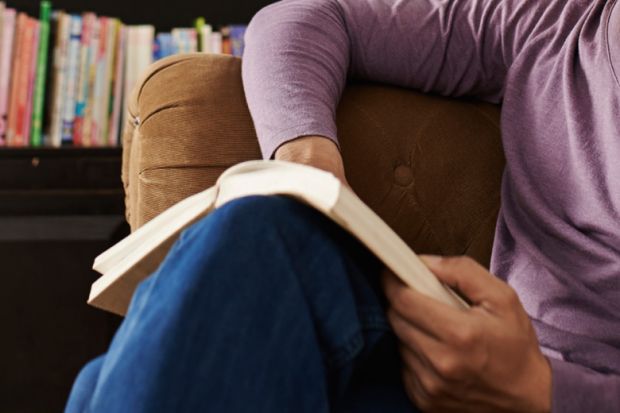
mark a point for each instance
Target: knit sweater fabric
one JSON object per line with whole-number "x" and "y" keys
{"x": 554, "y": 65}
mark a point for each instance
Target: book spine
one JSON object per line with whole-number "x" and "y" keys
{"x": 2, "y": 9}
{"x": 158, "y": 47}
{"x": 70, "y": 90}
{"x": 106, "y": 87}
{"x": 25, "y": 58}
{"x": 216, "y": 42}
{"x": 199, "y": 23}
{"x": 81, "y": 99}
{"x": 167, "y": 45}
{"x": 32, "y": 74}
{"x": 192, "y": 39}
{"x": 91, "y": 124}
{"x": 93, "y": 54}
{"x": 206, "y": 40}
{"x": 177, "y": 40}
{"x": 6, "y": 55}
{"x": 16, "y": 75}
{"x": 50, "y": 78}
{"x": 139, "y": 57}
{"x": 59, "y": 58}
{"x": 41, "y": 74}
{"x": 2, "y": 23}
{"x": 118, "y": 80}
{"x": 226, "y": 43}
{"x": 237, "y": 35}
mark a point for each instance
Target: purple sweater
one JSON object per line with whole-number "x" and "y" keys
{"x": 554, "y": 66}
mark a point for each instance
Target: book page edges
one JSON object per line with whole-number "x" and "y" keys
{"x": 359, "y": 220}
{"x": 113, "y": 290}
{"x": 166, "y": 221}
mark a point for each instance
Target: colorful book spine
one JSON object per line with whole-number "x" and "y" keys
{"x": 6, "y": 55}
{"x": 50, "y": 78}
{"x": 199, "y": 23}
{"x": 16, "y": 75}
{"x": 117, "y": 88}
{"x": 83, "y": 79}
{"x": 103, "y": 115}
{"x": 36, "y": 137}
{"x": 25, "y": 59}
{"x": 226, "y": 43}
{"x": 139, "y": 57}
{"x": 32, "y": 74}
{"x": 2, "y": 9}
{"x": 192, "y": 40}
{"x": 206, "y": 38}
{"x": 59, "y": 78}
{"x": 216, "y": 43}
{"x": 164, "y": 46}
{"x": 237, "y": 34}
{"x": 70, "y": 90}
{"x": 40, "y": 70}
{"x": 93, "y": 55}
{"x": 92, "y": 103}
{"x": 185, "y": 39}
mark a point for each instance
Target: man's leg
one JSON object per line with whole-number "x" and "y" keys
{"x": 264, "y": 306}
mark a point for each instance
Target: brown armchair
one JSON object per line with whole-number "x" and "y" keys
{"x": 429, "y": 166}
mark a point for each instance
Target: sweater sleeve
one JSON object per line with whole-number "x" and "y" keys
{"x": 577, "y": 389}
{"x": 299, "y": 54}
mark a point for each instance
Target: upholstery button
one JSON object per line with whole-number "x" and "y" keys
{"x": 403, "y": 175}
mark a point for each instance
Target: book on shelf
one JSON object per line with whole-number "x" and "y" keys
{"x": 40, "y": 74}
{"x": 65, "y": 77}
{"x": 6, "y": 56}
{"x": 138, "y": 57}
{"x": 135, "y": 257}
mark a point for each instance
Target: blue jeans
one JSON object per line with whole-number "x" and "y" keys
{"x": 263, "y": 306}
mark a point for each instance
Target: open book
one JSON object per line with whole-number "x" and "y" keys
{"x": 131, "y": 260}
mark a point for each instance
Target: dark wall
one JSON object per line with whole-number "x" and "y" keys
{"x": 162, "y": 13}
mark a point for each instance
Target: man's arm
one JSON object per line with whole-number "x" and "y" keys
{"x": 299, "y": 54}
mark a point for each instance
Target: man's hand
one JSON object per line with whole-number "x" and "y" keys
{"x": 484, "y": 359}
{"x": 314, "y": 151}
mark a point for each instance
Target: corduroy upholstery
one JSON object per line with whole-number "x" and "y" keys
{"x": 429, "y": 166}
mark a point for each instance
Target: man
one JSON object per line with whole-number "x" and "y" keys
{"x": 265, "y": 306}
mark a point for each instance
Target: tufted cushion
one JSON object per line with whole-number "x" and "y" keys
{"x": 430, "y": 166}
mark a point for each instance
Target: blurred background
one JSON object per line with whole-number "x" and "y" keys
{"x": 61, "y": 197}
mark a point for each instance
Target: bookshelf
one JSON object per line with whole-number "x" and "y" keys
{"x": 59, "y": 208}
{"x": 157, "y": 12}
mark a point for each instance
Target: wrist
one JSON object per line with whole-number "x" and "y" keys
{"x": 307, "y": 147}
{"x": 538, "y": 389}
{"x": 317, "y": 151}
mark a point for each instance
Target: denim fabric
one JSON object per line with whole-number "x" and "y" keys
{"x": 263, "y": 306}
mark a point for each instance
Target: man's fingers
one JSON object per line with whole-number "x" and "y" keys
{"x": 418, "y": 341}
{"x": 466, "y": 276}
{"x": 429, "y": 390}
{"x": 433, "y": 317}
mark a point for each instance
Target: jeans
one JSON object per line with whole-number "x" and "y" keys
{"x": 265, "y": 305}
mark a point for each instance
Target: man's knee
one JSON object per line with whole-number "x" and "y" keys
{"x": 255, "y": 232}
{"x": 267, "y": 209}
{"x": 259, "y": 218}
